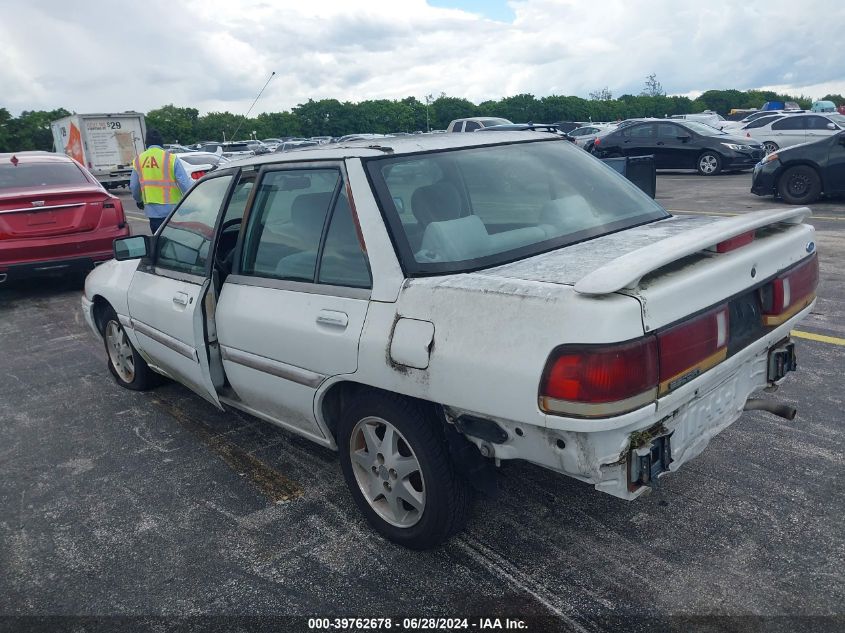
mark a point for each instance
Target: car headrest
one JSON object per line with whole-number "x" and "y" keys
{"x": 308, "y": 212}
{"x": 436, "y": 203}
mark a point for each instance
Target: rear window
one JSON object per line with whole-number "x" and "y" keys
{"x": 27, "y": 175}
{"x": 459, "y": 210}
{"x": 201, "y": 159}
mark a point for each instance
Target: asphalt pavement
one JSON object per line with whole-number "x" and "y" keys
{"x": 156, "y": 505}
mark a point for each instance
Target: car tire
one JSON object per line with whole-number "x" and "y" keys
{"x": 800, "y": 185}
{"x": 396, "y": 462}
{"x": 770, "y": 147}
{"x": 709, "y": 163}
{"x": 125, "y": 363}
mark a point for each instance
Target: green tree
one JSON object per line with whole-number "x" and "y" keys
{"x": 217, "y": 126}
{"x": 445, "y": 109}
{"x": 31, "y": 130}
{"x": 175, "y": 124}
{"x": 652, "y": 88}
{"x": 5, "y": 118}
{"x": 276, "y": 124}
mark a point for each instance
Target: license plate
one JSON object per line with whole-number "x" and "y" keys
{"x": 782, "y": 360}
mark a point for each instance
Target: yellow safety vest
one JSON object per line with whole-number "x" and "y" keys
{"x": 156, "y": 171}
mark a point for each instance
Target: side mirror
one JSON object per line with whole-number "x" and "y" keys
{"x": 133, "y": 247}
{"x": 832, "y": 126}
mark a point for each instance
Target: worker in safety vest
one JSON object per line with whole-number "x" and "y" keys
{"x": 158, "y": 181}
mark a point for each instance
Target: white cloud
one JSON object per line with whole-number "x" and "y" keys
{"x": 216, "y": 54}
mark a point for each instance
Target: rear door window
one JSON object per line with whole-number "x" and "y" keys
{"x": 789, "y": 123}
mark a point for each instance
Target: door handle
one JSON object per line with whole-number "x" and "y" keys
{"x": 333, "y": 318}
{"x": 181, "y": 298}
{"x": 660, "y": 143}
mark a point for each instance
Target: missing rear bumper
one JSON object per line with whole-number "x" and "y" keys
{"x": 648, "y": 462}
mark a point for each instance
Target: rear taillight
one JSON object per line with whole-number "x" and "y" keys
{"x": 197, "y": 175}
{"x": 600, "y": 380}
{"x": 691, "y": 348}
{"x": 790, "y": 293}
{"x": 590, "y": 381}
{"x": 597, "y": 142}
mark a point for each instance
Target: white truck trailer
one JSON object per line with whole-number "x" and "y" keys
{"x": 104, "y": 143}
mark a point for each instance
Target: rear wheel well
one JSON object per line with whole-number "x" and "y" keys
{"x": 341, "y": 394}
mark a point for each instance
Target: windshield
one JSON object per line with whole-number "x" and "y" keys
{"x": 703, "y": 128}
{"x": 29, "y": 175}
{"x": 453, "y": 211}
{"x": 838, "y": 119}
{"x": 489, "y": 122}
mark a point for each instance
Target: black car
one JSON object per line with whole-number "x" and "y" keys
{"x": 680, "y": 145}
{"x": 801, "y": 173}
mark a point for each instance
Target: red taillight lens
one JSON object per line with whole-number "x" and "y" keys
{"x": 693, "y": 347}
{"x": 197, "y": 175}
{"x": 600, "y": 380}
{"x": 735, "y": 242}
{"x": 597, "y": 142}
{"x": 791, "y": 292}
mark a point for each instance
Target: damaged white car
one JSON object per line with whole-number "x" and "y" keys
{"x": 433, "y": 306}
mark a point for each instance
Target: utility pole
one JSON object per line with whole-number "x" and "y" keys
{"x": 428, "y": 99}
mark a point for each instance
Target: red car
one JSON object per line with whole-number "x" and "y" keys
{"x": 54, "y": 216}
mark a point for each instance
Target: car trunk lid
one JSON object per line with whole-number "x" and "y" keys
{"x": 671, "y": 266}
{"x": 46, "y": 212}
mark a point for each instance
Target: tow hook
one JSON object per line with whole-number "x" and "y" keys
{"x": 758, "y": 404}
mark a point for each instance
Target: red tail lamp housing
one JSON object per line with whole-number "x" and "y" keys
{"x": 592, "y": 381}
{"x": 791, "y": 292}
{"x": 196, "y": 175}
{"x": 600, "y": 380}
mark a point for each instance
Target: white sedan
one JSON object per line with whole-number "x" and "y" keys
{"x": 198, "y": 164}
{"x": 432, "y": 306}
{"x": 794, "y": 129}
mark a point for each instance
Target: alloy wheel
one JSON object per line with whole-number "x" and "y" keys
{"x": 387, "y": 472}
{"x": 120, "y": 351}
{"x": 708, "y": 164}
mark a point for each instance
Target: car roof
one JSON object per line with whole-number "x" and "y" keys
{"x": 396, "y": 146}
{"x": 34, "y": 157}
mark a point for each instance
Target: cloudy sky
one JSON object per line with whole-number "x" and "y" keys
{"x": 214, "y": 55}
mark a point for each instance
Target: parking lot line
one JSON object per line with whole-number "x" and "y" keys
{"x": 821, "y": 338}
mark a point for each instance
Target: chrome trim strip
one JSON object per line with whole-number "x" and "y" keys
{"x": 308, "y": 287}
{"x": 597, "y": 410}
{"x": 273, "y": 367}
{"x": 165, "y": 339}
{"x": 54, "y": 206}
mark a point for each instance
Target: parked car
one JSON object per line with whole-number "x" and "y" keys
{"x": 823, "y": 106}
{"x": 795, "y": 129}
{"x": 586, "y": 135}
{"x": 802, "y": 173}
{"x": 198, "y": 164}
{"x": 433, "y": 306}
{"x": 290, "y": 145}
{"x": 710, "y": 118}
{"x": 732, "y": 127}
{"x": 229, "y": 150}
{"x": 474, "y": 123}
{"x": 525, "y": 127}
{"x": 680, "y": 145}
{"x": 55, "y": 218}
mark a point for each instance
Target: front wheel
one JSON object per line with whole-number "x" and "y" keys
{"x": 770, "y": 147}
{"x": 709, "y": 164}
{"x": 800, "y": 185}
{"x": 396, "y": 463}
{"x": 125, "y": 363}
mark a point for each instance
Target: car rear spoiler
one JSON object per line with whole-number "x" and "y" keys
{"x": 627, "y": 270}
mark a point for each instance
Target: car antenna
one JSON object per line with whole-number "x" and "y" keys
{"x": 235, "y": 135}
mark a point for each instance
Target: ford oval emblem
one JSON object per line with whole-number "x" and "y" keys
{"x": 811, "y": 246}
